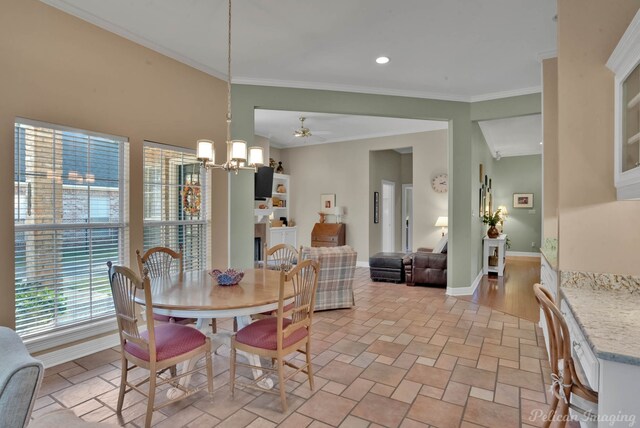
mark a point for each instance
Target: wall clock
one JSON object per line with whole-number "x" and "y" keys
{"x": 440, "y": 183}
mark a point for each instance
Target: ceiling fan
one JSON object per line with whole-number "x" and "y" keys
{"x": 303, "y": 132}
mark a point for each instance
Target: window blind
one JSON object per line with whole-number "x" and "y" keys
{"x": 70, "y": 199}
{"x": 176, "y": 206}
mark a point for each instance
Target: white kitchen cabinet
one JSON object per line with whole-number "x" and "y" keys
{"x": 625, "y": 63}
{"x": 549, "y": 280}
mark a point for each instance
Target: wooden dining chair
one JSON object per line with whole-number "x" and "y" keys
{"x": 162, "y": 261}
{"x": 280, "y": 257}
{"x": 565, "y": 382}
{"x": 158, "y": 348}
{"x": 288, "y": 332}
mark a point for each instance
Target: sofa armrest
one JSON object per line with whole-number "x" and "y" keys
{"x": 20, "y": 378}
{"x": 407, "y": 262}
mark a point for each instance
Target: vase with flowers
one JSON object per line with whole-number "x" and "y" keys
{"x": 492, "y": 220}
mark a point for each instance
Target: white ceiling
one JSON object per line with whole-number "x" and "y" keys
{"x": 465, "y": 50}
{"x": 516, "y": 136}
{"x": 278, "y": 126}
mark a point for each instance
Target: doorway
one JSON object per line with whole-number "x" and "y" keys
{"x": 388, "y": 216}
{"x": 407, "y": 217}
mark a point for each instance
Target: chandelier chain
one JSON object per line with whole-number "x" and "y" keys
{"x": 229, "y": 75}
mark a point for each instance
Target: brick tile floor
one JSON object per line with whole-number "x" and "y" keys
{"x": 402, "y": 357}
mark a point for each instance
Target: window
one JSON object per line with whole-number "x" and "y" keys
{"x": 176, "y": 208}
{"x": 70, "y": 219}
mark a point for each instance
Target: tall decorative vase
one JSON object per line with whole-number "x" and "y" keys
{"x": 493, "y": 232}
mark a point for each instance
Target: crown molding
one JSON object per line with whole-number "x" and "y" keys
{"x": 136, "y": 38}
{"x": 547, "y": 55}
{"x": 513, "y": 153}
{"x": 624, "y": 57}
{"x": 348, "y": 88}
{"x": 506, "y": 94}
{"x": 305, "y": 143}
{"x": 385, "y": 91}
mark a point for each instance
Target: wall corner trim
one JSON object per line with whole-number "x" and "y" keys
{"x": 465, "y": 291}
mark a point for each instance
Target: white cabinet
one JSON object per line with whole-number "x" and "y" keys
{"x": 280, "y": 199}
{"x": 281, "y": 202}
{"x": 549, "y": 280}
{"x": 625, "y": 63}
{"x": 494, "y": 251}
{"x": 283, "y": 235}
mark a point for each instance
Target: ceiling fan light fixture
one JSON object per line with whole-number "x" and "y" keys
{"x": 302, "y": 132}
{"x": 382, "y": 59}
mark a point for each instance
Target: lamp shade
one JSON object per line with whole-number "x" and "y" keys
{"x": 335, "y": 211}
{"x": 206, "y": 150}
{"x": 239, "y": 150}
{"x": 256, "y": 156}
{"x": 442, "y": 222}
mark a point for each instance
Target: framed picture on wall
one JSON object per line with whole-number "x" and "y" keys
{"x": 327, "y": 201}
{"x": 480, "y": 204}
{"x": 523, "y": 200}
{"x": 376, "y": 207}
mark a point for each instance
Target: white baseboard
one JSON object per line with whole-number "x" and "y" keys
{"x": 70, "y": 353}
{"x": 466, "y": 291}
{"x": 362, "y": 264}
{"x": 522, "y": 254}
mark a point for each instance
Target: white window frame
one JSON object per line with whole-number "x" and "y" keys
{"x": 39, "y": 341}
{"x": 205, "y": 202}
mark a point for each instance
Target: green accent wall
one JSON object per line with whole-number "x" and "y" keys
{"x": 462, "y": 251}
{"x": 520, "y": 174}
{"x": 480, "y": 155}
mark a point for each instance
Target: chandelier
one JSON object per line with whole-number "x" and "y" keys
{"x": 238, "y": 157}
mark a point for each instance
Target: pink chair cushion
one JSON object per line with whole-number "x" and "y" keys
{"x": 274, "y": 313}
{"x": 263, "y": 334}
{"x": 171, "y": 340}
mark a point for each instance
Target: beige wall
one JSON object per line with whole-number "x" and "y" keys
{"x": 406, "y": 168}
{"x": 59, "y": 69}
{"x": 550, "y": 147}
{"x": 597, "y": 233}
{"x": 343, "y": 169}
{"x": 385, "y": 165}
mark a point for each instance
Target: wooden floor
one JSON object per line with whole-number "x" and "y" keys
{"x": 513, "y": 292}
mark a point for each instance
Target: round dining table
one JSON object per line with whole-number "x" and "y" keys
{"x": 196, "y": 295}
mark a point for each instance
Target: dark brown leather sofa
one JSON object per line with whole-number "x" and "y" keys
{"x": 425, "y": 267}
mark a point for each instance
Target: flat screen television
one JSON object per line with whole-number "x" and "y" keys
{"x": 263, "y": 183}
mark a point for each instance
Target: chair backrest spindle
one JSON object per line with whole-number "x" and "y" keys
{"x": 125, "y": 284}
{"x": 280, "y": 257}
{"x": 161, "y": 261}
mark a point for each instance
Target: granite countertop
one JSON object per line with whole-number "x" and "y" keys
{"x": 550, "y": 252}
{"x": 551, "y": 256}
{"x": 609, "y": 320}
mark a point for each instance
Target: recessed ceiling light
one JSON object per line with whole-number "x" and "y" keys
{"x": 540, "y": 142}
{"x": 382, "y": 60}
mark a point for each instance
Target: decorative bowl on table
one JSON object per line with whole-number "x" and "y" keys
{"x": 227, "y": 277}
